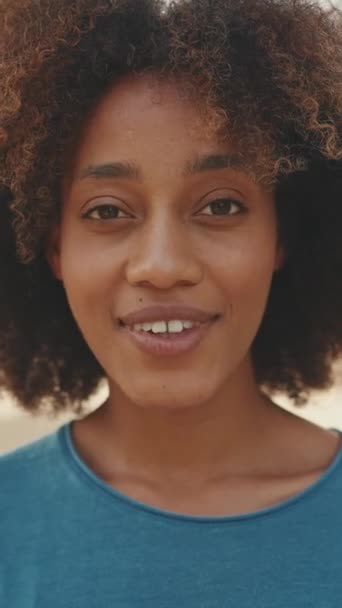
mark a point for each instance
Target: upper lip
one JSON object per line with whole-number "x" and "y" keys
{"x": 167, "y": 313}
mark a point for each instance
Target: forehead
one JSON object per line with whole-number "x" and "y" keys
{"x": 141, "y": 93}
{"x": 148, "y": 130}
{"x": 143, "y": 107}
{"x": 157, "y": 128}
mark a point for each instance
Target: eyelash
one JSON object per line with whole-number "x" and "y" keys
{"x": 242, "y": 209}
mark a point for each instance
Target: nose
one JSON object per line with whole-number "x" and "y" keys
{"x": 163, "y": 256}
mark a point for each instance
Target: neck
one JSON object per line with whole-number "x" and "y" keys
{"x": 202, "y": 442}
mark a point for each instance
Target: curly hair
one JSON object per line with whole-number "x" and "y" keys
{"x": 269, "y": 76}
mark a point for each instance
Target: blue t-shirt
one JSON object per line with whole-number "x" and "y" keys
{"x": 69, "y": 540}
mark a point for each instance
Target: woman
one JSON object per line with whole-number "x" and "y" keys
{"x": 171, "y": 221}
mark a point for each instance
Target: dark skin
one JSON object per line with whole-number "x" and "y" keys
{"x": 193, "y": 434}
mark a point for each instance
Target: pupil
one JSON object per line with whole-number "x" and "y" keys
{"x": 106, "y": 211}
{"x": 221, "y": 205}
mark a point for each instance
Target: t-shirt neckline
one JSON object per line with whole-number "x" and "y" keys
{"x": 90, "y": 477}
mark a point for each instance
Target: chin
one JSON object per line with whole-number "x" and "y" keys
{"x": 168, "y": 395}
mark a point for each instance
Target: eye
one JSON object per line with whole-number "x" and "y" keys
{"x": 224, "y": 206}
{"x": 105, "y": 212}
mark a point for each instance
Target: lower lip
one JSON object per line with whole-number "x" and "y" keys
{"x": 169, "y": 344}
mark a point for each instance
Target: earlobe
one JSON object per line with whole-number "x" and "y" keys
{"x": 52, "y": 253}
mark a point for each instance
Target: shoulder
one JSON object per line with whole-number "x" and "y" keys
{"x": 25, "y": 470}
{"x": 24, "y": 454}
{"x": 30, "y": 479}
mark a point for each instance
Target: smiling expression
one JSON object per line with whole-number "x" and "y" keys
{"x": 156, "y": 212}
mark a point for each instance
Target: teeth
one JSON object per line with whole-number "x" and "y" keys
{"x": 175, "y": 326}
{"x": 159, "y": 327}
{"x": 188, "y": 324}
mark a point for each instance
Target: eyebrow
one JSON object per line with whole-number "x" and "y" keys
{"x": 131, "y": 171}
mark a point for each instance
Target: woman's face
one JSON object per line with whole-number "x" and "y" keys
{"x": 162, "y": 234}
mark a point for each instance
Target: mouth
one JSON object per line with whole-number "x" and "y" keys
{"x": 167, "y": 338}
{"x": 174, "y": 326}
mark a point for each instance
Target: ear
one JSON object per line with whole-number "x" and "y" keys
{"x": 52, "y": 252}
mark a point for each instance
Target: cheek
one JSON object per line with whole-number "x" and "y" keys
{"x": 245, "y": 266}
{"x": 89, "y": 274}
{"x": 253, "y": 275}
{"x": 244, "y": 276}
